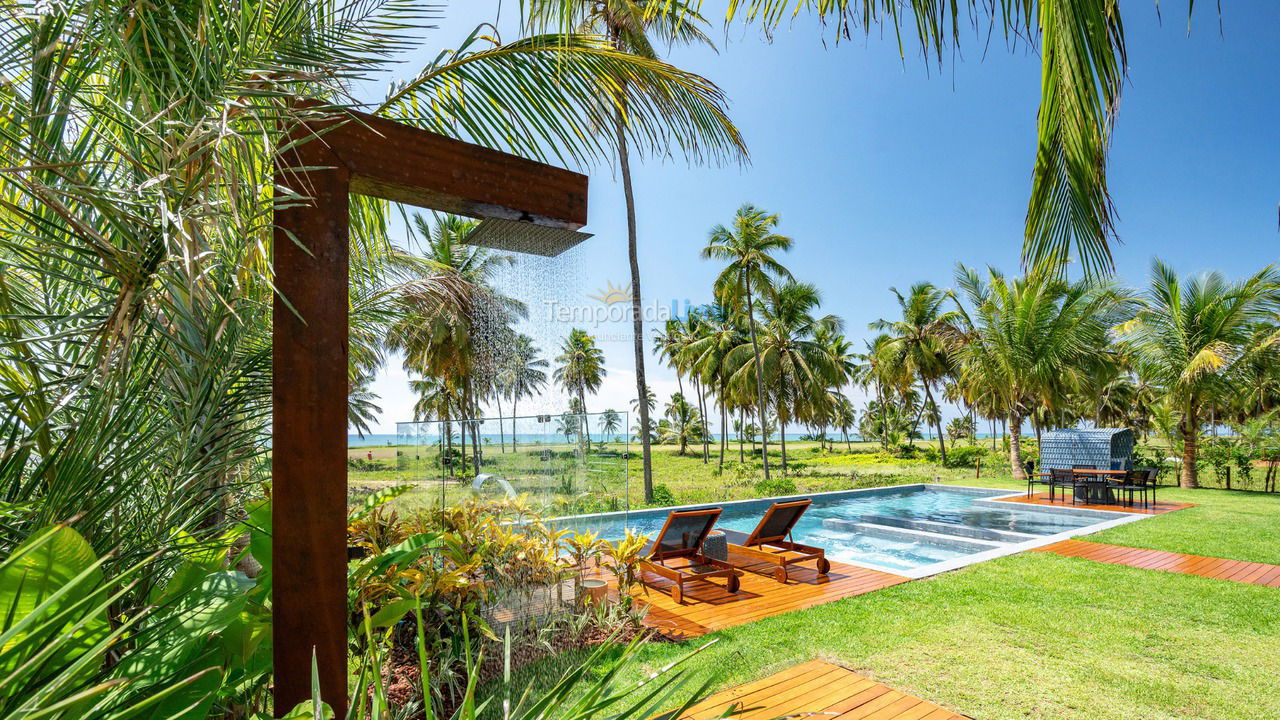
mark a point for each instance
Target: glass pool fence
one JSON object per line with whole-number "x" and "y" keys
{"x": 565, "y": 464}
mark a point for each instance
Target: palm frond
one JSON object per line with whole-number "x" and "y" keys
{"x": 554, "y": 97}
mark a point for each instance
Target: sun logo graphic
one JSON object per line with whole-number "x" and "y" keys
{"x": 611, "y": 295}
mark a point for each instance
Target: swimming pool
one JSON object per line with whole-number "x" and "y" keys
{"x": 911, "y": 530}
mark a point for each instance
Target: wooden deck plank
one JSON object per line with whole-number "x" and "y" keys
{"x": 1249, "y": 573}
{"x": 818, "y": 687}
{"x": 709, "y": 606}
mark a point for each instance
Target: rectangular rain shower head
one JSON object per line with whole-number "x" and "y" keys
{"x": 524, "y": 237}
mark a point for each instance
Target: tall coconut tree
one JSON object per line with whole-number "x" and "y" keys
{"x": 845, "y": 418}
{"x": 708, "y": 355}
{"x": 639, "y": 27}
{"x": 1189, "y": 333}
{"x": 747, "y": 248}
{"x": 1024, "y": 338}
{"x": 580, "y": 368}
{"x": 918, "y": 339}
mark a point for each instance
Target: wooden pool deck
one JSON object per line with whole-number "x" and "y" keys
{"x": 1251, "y": 573}
{"x": 817, "y": 689}
{"x": 1042, "y": 498}
{"x": 708, "y": 606}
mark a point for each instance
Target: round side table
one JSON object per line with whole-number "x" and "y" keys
{"x": 716, "y": 546}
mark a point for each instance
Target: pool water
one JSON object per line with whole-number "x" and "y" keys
{"x": 896, "y": 529}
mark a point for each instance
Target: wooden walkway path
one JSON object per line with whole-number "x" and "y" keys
{"x": 1220, "y": 568}
{"x": 1156, "y": 508}
{"x": 709, "y": 606}
{"x": 819, "y": 688}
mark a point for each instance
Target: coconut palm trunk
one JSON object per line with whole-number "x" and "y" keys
{"x": 502, "y": 429}
{"x": 742, "y": 427}
{"x": 937, "y": 423}
{"x": 1015, "y": 445}
{"x": 755, "y": 349}
{"x": 706, "y": 430}
{"x": 637, "y": 317}
{"x": 1189, "y": 427}
{"x": 724, "y": 426}
{"x": 782, "y": 425}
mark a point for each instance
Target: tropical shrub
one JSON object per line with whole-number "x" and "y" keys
{"x": 776, "y": 486}
{"x": 1218, "y": 454}
{"x": 491, "y": 566}
{"x": 662, "y": 496}
{"x": 967, "y": 456}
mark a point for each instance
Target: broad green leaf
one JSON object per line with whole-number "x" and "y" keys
{"x": 378, "y": 499}
{"x": 52, "y": 576}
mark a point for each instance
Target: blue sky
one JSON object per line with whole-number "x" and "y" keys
{"x": 887, "y": 172}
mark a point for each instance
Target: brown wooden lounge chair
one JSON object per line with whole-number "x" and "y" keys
{"x": 680, "y": 539}
{"x": 771, "y": 540}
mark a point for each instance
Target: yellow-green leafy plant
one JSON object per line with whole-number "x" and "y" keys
{"x": 584, "y": 550}
{"x": 623, "y": 560}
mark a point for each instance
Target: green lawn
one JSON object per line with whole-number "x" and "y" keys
{"x": 1027, "y": 636}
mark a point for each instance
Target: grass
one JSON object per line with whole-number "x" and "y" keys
{"x": 1033, "y": 635}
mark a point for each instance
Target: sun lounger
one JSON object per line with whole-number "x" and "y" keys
{"x": 676, "y": 552}
{"x": 771, "y": 540}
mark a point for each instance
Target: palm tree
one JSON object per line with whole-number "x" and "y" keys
{"x": 1024, "y": 339}
{"x": 523, "y": 376}
{"x": 580, "y": 368}
{"x": 791, "y": 356}
{"x": 747, "y": 249}
{"x": 362, "y": 407}
{"x": 650, "y": 401}
{"x": 632, "y": 26}
{"x": 919, "y": 341}
{"x": 846, "y": 417}
{"x": 609, "y": 422}
{"x": 682, "y": 425}
{"x": 708, "y": 355}
{"x": 1189, "y": 333}
{"x": 453, "y": 324}
{"x": 693, "y": 329}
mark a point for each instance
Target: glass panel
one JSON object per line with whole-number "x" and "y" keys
{"x": 565, "y": 464}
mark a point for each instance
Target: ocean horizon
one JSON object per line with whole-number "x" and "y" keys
{"x": 385, "y": 439}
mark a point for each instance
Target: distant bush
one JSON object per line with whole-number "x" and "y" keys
{"x": 1149, "y": 456}
{"x": 662, "y": 496}
{"x": 359, "y": 464}
{"x": 966, "y": 456}
{"x": 776, "y": 486}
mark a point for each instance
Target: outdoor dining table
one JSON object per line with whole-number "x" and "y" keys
{"x": 1098, "y": 492}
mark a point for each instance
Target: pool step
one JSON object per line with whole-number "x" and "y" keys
{"x": 908, "y": 535}
{"x": 964, "y": 531}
